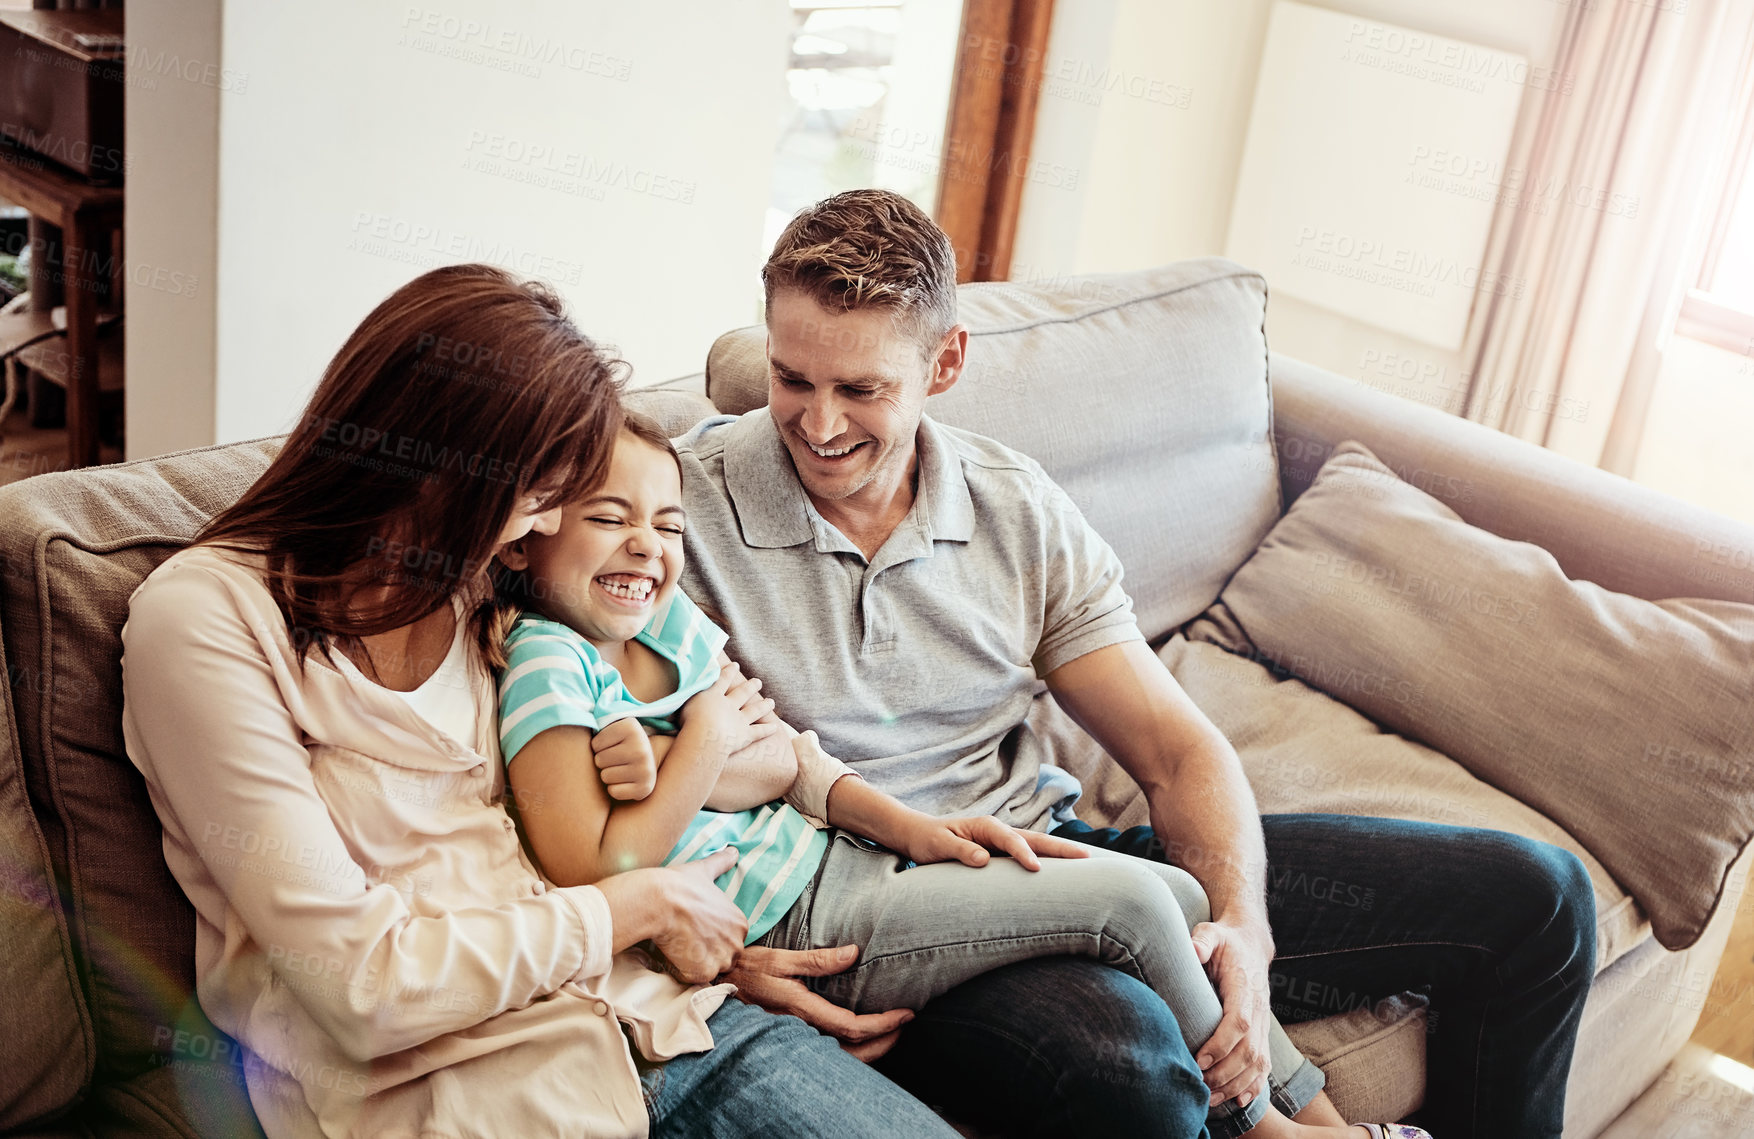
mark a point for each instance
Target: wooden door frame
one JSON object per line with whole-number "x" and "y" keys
{"x": 993, "y": 101}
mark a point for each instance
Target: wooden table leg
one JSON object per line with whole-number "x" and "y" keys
{"x": 80, "y": 247}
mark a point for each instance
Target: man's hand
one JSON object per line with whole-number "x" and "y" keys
{"x": 769, "y": 978}
{"x": 1236, "y": 1059}
{"x": 625, "y": 761}
{"x": 967, "y": 840}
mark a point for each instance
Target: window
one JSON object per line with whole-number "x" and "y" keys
{"x": 870, "y": 88}
{"x": 934, "y": 99}
{"x": 1719, "y": 307}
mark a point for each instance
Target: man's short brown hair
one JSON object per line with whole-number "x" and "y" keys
{"x": 869, "y": 249}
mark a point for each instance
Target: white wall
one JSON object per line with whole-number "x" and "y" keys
{"x": 1153, "y": 115}
{"x": 170, "y": 221}
{"x": 619, "y": 152}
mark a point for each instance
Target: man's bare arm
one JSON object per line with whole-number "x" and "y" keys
{"x": 1205, "y": 815}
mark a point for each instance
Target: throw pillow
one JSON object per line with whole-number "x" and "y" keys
{"x": 1628, "y": 722}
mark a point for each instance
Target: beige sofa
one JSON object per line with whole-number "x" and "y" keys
{"x": 1151, "y": 397}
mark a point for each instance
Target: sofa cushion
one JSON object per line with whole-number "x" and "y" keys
{"x": 1374, "y": 1058}
{"x": 1628, "y": 722}
{"x": 674, "y": 410}
{"x": 1143, "y": 394}
{"x": 48, "y": 1054}
{"x": 75, "y": 545}
{"x": 1304, "y": 751}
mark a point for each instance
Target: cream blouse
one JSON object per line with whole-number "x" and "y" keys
{"x": 367, "y": 924}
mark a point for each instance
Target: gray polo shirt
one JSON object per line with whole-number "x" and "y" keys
{"x": 918, "y": 666}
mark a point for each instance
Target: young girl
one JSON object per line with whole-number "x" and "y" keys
{"x": 608, "y": 649}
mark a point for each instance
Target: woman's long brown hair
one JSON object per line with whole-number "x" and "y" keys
{"x": 466, "y": 393}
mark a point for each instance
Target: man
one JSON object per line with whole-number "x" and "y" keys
{"x": 900, "y": 586}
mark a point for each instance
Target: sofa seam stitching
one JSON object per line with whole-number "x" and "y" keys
{"x": 1237, "y": 274}
{"x": 68, "y": 949}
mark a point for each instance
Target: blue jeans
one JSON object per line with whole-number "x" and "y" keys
{"x": 922, "y": 930}
{"x": 770, "y": 1075}
{"x": 1497, "y": 929}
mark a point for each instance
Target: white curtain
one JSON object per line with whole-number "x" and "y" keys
{"x": 1612, "y": 168}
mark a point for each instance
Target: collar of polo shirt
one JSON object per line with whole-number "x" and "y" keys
{"x": 774, "y": 511}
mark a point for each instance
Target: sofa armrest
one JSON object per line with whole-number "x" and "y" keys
{"x": 1599, "y": 526}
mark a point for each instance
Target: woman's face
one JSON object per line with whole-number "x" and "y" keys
{"x": 617, "y": 556}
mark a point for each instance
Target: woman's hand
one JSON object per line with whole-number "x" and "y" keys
{"x": 625, "y": 760}
{"x": 968, "y": 839}
{"x": 691, "y": 921}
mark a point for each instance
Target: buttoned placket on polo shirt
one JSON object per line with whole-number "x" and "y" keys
{"x": 774, "y": 510}
{"x": 911, "y": 540}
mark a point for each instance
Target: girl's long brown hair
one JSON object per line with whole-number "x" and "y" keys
{"x": 464, "y": 394}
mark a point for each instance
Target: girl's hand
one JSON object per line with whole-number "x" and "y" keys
{"x": 625, "y": 761}
{"x": 727, "y": 732}
{"x": 967, "y": 840}
{"x": 744, "y": 693}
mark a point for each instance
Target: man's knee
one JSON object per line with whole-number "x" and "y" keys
{"x": 1127, "y": 1070}
{"x": 1060, "y": 1046}
{"x": 1556, "y": 895}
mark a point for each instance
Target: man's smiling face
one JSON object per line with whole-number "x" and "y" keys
{"x": 846, "y": 390}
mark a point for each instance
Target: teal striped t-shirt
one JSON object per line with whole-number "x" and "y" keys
{"x": 554, "y": 677}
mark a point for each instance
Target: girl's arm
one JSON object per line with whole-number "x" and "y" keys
{"x": 579, "y": 834}
{"x": 855, "y": 805}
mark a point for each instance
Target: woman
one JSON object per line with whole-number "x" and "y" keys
{"x": 305, "y": 693}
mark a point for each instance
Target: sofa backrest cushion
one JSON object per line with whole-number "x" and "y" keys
{"x": 674, "y": 411}
{"x": 1628, "y": 722}
{"x": 1143, "y": 394}
{"x": 48, "y": 1058}
{"x": 73, "y": 547}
